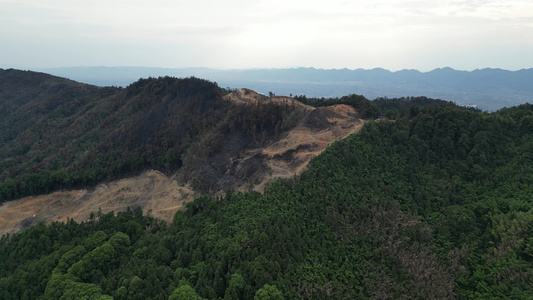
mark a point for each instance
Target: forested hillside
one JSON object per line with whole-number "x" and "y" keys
{"x": 433, "y": 202}
{"x": 86, "y": 149}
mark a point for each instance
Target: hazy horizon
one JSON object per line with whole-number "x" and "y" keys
{"x": 235, "y": 34}
{"x": 280, "y": 68}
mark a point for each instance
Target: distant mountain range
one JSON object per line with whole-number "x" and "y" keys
{"x": 487, "y": 89}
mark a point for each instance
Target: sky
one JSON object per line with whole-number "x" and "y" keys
{"x": 243, "y": 34}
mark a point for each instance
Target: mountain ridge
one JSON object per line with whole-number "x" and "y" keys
{"x": 488, "y": 88}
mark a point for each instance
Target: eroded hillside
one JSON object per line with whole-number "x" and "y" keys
{"x": 238, "y": 153}
{"x": 152, "y": 191}
{"x": 317, "y": 128}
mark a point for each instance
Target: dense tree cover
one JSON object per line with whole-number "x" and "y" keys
{"x": 40, "y": 126}
{"x": 406, "y": 107}
{"x": 434, "y": 205}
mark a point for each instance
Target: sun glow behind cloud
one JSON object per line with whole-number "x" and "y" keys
{"x": 247, "y": 34}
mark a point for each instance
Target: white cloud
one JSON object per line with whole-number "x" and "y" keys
{"x": 382, "y": 33}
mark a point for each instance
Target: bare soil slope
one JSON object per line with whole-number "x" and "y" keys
{"x": 163, "y": 196}
{"x": 152, "y": 191}
{"x": 318, "y": 128}
{"x": 291, "y": 155}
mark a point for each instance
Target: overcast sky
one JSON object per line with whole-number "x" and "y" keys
{"x": 392, "y": 34}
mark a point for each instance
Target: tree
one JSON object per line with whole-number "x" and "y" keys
{"x": 268, "y": 292}
{"x": 184, "y": 292}
{"x": 236, "y": 286}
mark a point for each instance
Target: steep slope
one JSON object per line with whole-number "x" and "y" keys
{"x": 204, "y": 142}
{"x": 40, "y": 115}
{"x": 315, "y": 129}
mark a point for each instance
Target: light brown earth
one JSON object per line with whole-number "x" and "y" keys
{"x": 163, "y": 196}
{"x": 250, "y": 97}
{"x": 291, "y": 154}
{"x": 152, "y": 191}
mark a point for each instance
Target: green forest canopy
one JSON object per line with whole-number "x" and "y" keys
{"x": 433, "y": 204}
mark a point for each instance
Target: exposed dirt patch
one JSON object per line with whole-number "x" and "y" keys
{"x": 249, "y": 97}
{"x": 245, "y": 96}
{"x": 151, "y": 190}
{"x": 343, "y": 109}
{"x": 291, "y": 155}
{"x": 318, "y": 128}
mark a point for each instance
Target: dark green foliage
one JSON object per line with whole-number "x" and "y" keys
{"x": 268, "y": 292}
{"x": 407, "y": 107}
{"x": 184, "y": 292}
{"x": 433, "y": 205}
